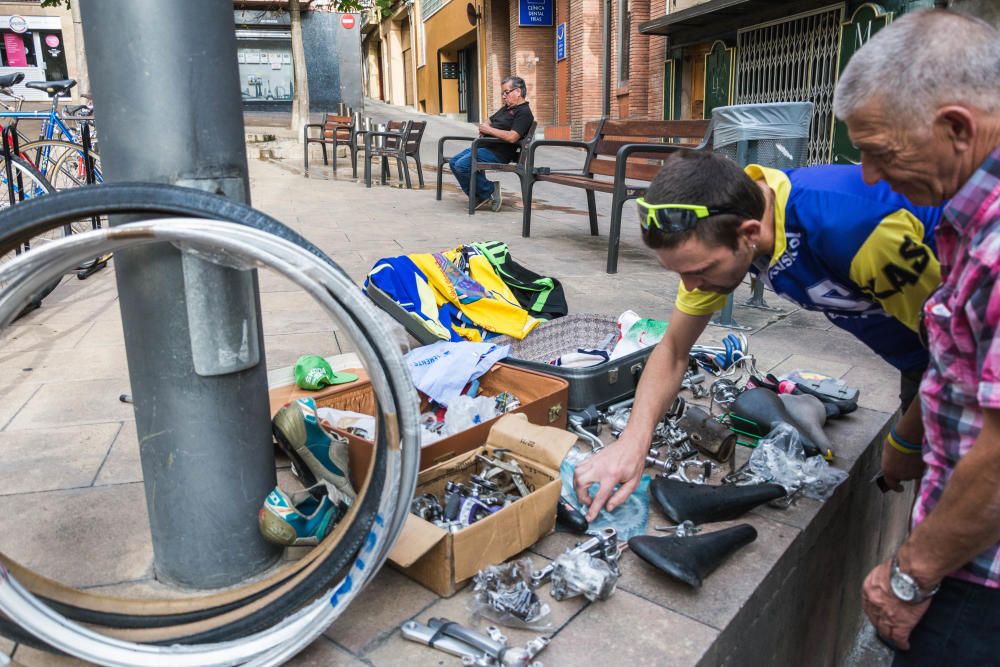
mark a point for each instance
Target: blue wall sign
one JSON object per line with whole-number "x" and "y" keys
{"x": 561, "y": 41}
{"x": 535, "y": 12}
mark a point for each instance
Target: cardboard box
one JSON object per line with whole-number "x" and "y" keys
{"x": 441, "y": 560}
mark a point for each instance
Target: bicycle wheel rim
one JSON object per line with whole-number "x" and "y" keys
{"x": 140, "y": 199}
{"x": 292, "y": 633}
{"x": 24, "y": 184}
{"x": 127, "y": 199}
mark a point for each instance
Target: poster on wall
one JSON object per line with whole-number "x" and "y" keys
{"x": 286, "y": 58}
{"x": 535, "y": 13}
{"x": 14, "y": 44}
{"x": 253, "y": 57}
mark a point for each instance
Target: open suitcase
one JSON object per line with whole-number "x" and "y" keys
{"x": 599, "y": 385}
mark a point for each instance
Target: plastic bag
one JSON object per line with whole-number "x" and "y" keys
{"x": 503, "y": 594}
{"x": 637, "y": 333}
{"x": 465, "y": 412}
{"x": 779, "y": 458}
{"x": 629, "y": 518}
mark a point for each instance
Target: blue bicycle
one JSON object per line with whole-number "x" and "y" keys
{"x": 65, "y": 151}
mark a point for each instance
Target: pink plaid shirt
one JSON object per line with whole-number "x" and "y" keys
{"x": 961, "y": 320}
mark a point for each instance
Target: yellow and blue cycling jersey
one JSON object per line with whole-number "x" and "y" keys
{"x": 863, "y": 255}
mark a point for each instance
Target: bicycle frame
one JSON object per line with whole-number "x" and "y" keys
{"x": 53, "y": 127}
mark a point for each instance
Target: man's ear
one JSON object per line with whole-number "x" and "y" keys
{"x": 751, "y": 229}
{"x": 958, "y": 124}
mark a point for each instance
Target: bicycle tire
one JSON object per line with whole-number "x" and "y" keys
{"x": 132, "y": 199}
{"x": 142, "y": 199}
{"x": 56, "y": 167}
{"x": 389, "y": 381}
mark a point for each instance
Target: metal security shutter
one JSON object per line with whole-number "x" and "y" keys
{"x": 793, "y": 60}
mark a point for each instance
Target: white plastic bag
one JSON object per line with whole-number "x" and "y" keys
{"x": 780, "y": 458}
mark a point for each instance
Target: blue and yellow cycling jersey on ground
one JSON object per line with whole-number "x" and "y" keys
{"x": 863, "y": 255}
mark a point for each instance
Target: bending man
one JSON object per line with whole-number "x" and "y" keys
{"x": 819, "y": 236}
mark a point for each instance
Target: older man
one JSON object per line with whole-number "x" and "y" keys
{"x": 922, "y": 103}
{"x": 510, "y": 122}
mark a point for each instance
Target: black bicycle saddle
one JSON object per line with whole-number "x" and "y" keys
{"x": 8, "y": 80}
{"x": 690, "y": 559}
{"x": 52, "y": 87}
{"x": 704, "y": 503}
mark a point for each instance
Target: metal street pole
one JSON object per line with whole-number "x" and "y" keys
{"x": 168, "y": 105}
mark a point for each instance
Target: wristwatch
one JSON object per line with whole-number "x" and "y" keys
{"x": 905, "y": 587}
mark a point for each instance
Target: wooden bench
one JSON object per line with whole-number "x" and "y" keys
{"x": 622, "y": 158}
{"x": 517, "y": 167}
{"x": 332, "y": 131}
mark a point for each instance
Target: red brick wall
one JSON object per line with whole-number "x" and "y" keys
{"x": 533, "y": 58}
{"x": 632, "y": 99}
{"x": 497, "y": 53}
{"x": 657, "y": 55}
{"x": 585, "y": 56}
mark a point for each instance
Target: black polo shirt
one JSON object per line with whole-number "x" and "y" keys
{"x": 517, "y": 118}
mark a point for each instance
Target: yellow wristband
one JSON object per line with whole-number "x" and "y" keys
{"x": 898, "y": 447}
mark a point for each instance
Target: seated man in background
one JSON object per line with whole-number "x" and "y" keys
{"x": 511, "y": 122}
{"x": 862, "y": 255}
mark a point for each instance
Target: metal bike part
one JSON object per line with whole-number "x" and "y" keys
{"x": 603, "y": 544}
{"x": 506, "y": 656}
{"x": 667, "y": 465}
{"x": 594, "y": 577}
{"x": 496, "y": 634}
{"x": 596, "y": 444}
{"x": 422, "y": 634}
{"x": 703, "y": 467}
{"x": 473, "y": 638}
{"x": 685, "y": 529}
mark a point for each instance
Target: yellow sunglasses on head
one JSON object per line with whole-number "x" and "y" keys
{"x": 674, "y": 218}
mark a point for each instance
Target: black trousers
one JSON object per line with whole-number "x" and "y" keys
{"x": 961, "y": 627}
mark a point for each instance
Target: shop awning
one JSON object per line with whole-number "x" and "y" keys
{"x": 718, "y": 17}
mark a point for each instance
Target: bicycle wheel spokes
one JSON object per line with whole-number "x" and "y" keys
{"x": 61, "y": 162}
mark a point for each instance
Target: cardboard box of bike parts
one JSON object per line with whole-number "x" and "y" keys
{"x": 542, "y": 397}
{"x": 443, "y": 560}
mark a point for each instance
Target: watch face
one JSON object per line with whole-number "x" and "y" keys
{"x": 902, "y": 587}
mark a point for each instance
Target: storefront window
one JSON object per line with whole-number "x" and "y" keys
{"x": 36, "y": 48}
{"x": 265, "y": 63}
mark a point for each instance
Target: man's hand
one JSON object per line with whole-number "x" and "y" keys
{"x": 893, "y": 619}
{"x": 898, "y": 467}
{"x": 621, "y": 462}
{"x": 485, "y": 129}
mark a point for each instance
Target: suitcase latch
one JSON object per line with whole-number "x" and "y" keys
{"x": 554, "y": 412}
{"x": 613, "y": 376}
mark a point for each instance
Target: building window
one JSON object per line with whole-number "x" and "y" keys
{"x": 429, "y": 7}
{"x": 624, "y": 39}
{"x": 35, "y": 48}
{"x": 265, "y": 64}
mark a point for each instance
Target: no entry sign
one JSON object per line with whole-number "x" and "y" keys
{"x": 347, "y": 20}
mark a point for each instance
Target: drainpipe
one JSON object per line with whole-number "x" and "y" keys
{"x": 606, "y": 98}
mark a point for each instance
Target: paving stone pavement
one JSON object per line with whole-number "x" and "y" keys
{"x": 71, "y": 456}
